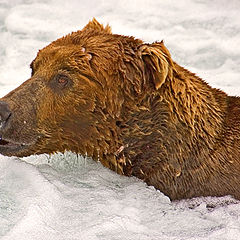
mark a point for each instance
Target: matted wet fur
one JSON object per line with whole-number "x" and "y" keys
{"x": 129, "y": 105}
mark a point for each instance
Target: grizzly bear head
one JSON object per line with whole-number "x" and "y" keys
{"x": 82, "y": 89}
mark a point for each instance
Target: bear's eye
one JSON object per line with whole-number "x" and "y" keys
{"x": 62, "y": 80}
{"x": 31, "y": 66}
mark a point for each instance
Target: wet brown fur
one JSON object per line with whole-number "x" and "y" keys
{"x": 130, "y": 106}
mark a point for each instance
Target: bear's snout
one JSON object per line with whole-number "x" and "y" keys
{"x": 5, "y": 114}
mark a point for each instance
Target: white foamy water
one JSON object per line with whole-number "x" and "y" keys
{"x": 68, "y": 197}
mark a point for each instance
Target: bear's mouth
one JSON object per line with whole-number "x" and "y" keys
{"x": 10, "y": 147}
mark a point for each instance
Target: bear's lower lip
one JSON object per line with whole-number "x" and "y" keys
{"x": 10, "y": 147}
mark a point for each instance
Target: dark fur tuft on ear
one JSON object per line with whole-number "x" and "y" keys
{"x": 95, "y": 25}
{"x": 158, "y": 62}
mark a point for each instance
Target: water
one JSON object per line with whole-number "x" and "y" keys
{"x": 70, "y": 197}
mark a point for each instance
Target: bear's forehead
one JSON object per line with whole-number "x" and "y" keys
{"x": 58, "y": 55}
{"x": 97, "y": 42}
{"x": 79, "y": 47}
{"x": 60, "y": 52}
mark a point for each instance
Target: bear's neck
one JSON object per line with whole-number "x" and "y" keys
{"x": 194, "y": 105}
{"x": 197, "y": 113}
{"x": 174, "y": 130}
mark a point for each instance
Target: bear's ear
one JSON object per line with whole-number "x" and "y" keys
{"x": 158, "y": 62}
{"x": 95, "y": 25}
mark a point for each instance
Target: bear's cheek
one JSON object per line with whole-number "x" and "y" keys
{"x": 59, "y": 117}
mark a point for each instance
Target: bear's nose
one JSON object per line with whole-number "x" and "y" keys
{"x": 5, "y": 114}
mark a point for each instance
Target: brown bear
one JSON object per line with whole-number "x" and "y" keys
{"x": 127, "y": 104}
